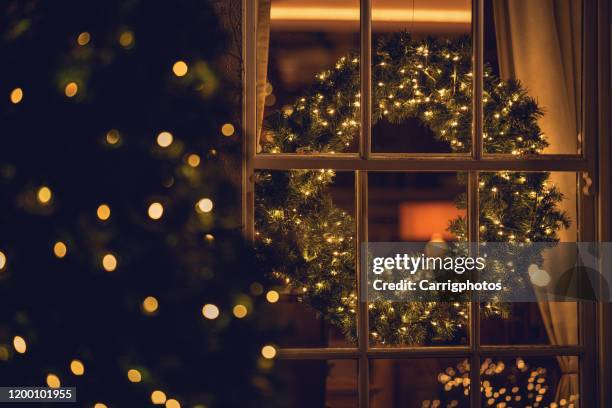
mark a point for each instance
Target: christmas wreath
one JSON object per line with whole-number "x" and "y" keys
{"x": 309, "y": 242}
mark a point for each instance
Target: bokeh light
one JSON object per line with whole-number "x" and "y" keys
{"x": 77, "y": 367}
{"x": 158, "y": 397}
{"x": 44, "y": 195}
{"x": 113, "y": 136}
{"x": 53, "y": 381}
{"x": 240, "y": 311}
{"x": 19, "y": 344}
{"x": 109, "y": 262}
{"x": 134, "y": 375}
{"x": 268, "y": 352}
{"x": 272, "y": 296}
{"x": 126, "y": 39}
{"x": 103, "y": 212}
{"x": 193, "y": 160}
{"x": 71, "y": 89}
{"x": 210, "y": 311}
{"x": 60, "y": 249}
{"x": 205, "y": 205}
{"x": 150, "y": 304}
{"x": 16, "y": 95}
{"x": 83, "y": 38}
{"x": 180, "y": 68}
{"x": 227, "y": 129}
{"x": 164, "y": 139}
{"x": 156, "y": 210}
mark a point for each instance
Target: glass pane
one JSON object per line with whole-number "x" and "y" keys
{"x": 421, "y": 76}
{"x": 308, "y": 79}
{"x": 551, "y": 382}
{"x": 318, "y": 383}
{"x": 535, "y": 207}
{"x": 305, "y": 234}
{"x": 539, "y": 44}
{"x": 419, "y": 383}
{"x": 417, "y": 207}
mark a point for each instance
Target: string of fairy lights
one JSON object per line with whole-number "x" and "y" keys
{"x": 503, "y": 385}
{"x": 109, "y": 261}
{"x": 313, "y": 241}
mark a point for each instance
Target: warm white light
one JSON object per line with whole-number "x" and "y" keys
{"x": 407, "y": 14}
{"x": 16, "y": 95}
{"x": 180, "y": 68}
{"x": 156, "y": 210}
{"x": 205, "y": 205}
{"x": 77, "y": 367}
{"x": 210, "y": 311}
{"x": 60, "y": 249}
{"x": 109, "y": 262}
{"x": 164, "y": 139}
{"x": 268, "y": 352}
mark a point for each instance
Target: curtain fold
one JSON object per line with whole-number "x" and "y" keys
{"x": 263, "y": 46}
{"x": 538, "y": 43}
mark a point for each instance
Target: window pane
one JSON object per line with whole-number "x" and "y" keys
{"x": 417, "y": 207}
{"x": 305, "y": 231}
{"x": 421, "y": 76}
{"x": 314, "y": 383}
{"x": 520, "y": 207}
{"x": 309, "y": 97}
{"x": 530, "y": 382}
{"x": 538, "y": 43}
{"x": 419, "y": 383}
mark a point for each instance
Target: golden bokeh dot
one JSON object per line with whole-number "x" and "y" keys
{"x": 180, "y": 68}
{"x": 77, "y": 367}
{"x": 205, "y": 205}
{"x": 210, "y": 311}
{"x": 158, "y": 397}
{"x": 150, "y": 304}
{"x": 109, "y": 262}
{"x": 2, "y": 260}
{"x": 193, "y": 160}
{"x": 209, "y": 237}
{"x": 100, "y": 405}
{"x": 83, "y": 38}
{"x": 103, "y": 212}
{"x": 16, "y": 95}
{"x": 60, "y": 249}
{"x": 134, "y": 375}
{"x": 268, "y": 352}
{"x": 53, "y": 381}
{"x": 71, "y": 89}
{"x": 272, "y": 296}
{"x": 227, "y": 129}
{"x": 164, "y": 139}
{"x": 19, "y": 344}
{"x": 172, "y": 403}
{"x": 156, "y": 210}
{"x": 240, "y": 311}
{"x": 126, "y": 39}
{"x": 113, "y": 136}
{"x": 44, "y": 195}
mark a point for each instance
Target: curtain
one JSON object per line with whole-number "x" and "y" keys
{"x": 538, "y": 43}
{"x": 263, "y": 46}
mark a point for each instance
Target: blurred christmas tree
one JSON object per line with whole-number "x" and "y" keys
{"x": 122, "y": 268}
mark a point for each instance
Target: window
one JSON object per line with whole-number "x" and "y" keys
{"x": 381, "y": 154}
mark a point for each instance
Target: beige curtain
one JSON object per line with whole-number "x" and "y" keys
{"x": 538, "y": 43}
{"x": 263, "y": 45}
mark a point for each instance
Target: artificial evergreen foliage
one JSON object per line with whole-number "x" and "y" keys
{"x": 123, "y": 270}
{"x": 311, "y": 242}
